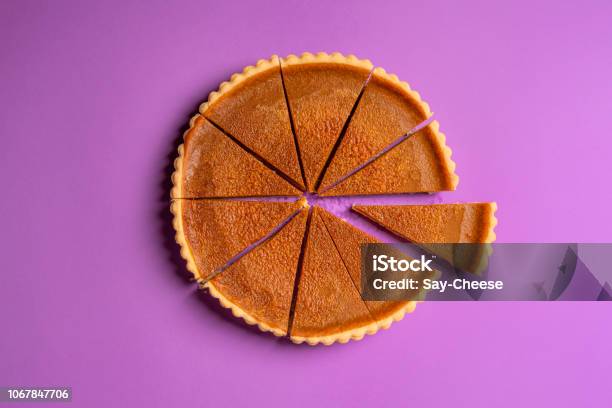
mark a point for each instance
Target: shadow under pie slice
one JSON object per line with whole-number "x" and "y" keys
{"x": 253, "y": 109}
{"x": 419, "y": 164}
{"x": 348, "y": 241}
{"x": 321, "y": 90}
{"x": 259, "y": 286}
{"x": 387, "y": 110}
{"x": 211, "y": 232}
{"x": 212, "y": 165}
{"x": 328, "y": 306}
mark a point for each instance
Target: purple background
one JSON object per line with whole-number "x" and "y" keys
{"x": 92, "y": 100}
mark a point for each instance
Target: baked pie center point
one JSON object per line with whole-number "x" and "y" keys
{"x": 313, "y": 199}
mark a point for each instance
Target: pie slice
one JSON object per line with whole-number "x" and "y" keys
{"x": 387, "y": 110}
{"x": 328, "y": 306}
{"x": 419, "y": 164}
{"x": 442, "y": 229}
{"x": 211, "y": 232}
{"x": 321, "y": 90}
{"x": 437, "y": 223}
{"x": 211, "y": 165}
{"x": 259, "y": 286}
{"x": 348, "y": 241}
{"x": 252, "y": 108}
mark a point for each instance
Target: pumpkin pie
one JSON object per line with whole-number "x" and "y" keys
{"x": 211, "y": 232}
{"x": 325, "y": 123}
{"x": 321, "y": 92}
{"x": 259, "y": 286}
{"x": 328, "y": 306}
{"x": 252, "y": 108}
{"x": 211, "y": 165}
{"x": 420, "y": 164}
{"x": 348, "y": 240}
{"x": 388, "y": 110}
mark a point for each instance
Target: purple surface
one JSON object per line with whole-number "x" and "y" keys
{"x": 93, "y": 97}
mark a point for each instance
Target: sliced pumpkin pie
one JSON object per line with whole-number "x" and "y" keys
{"x": 321, "y": 91}
{"x": 388, "y": 110}
{"x": 259, "y": 286}
{"x": 328, "y": 306}
{"x": 348, "y": 240}
{"x": 420, "y": 164}
{"x": 328, "y": 123}
{"x": 211, "y": 165}
{"x": 252, "y": 108}
{"x": 211, "y": 232}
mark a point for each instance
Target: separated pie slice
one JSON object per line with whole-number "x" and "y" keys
{"x": 419, "y": 164}
{"x": 322, "y": 90}
{"x": 328, "y": 306}
{"x": 348, "y": 241}
{"x": 211, "y": 232}
{"x": 252, "y": 108}
{"x": 442, "y": 229}
{"x": 259, "y": 286}
{"x": 437, "y": 223}
{"x": 212, "y": 165}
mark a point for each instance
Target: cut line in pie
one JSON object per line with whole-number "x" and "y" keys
{"x": 252, "y": 107}
{"x": 258, "y": 293}
{"x": 347, "y": 241}
{"x": 328, "y": 305}
{"x": 420, "y": 164}
{"x": 322, "y": 90}
{"x": 303, "y": 124}
{"x": 211, "y": 165}
{"x": 212, "y": 232}
{"x": 388, "y": 110}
